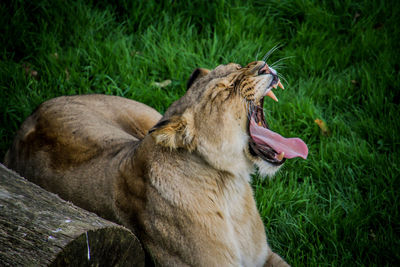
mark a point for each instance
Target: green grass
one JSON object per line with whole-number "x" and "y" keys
{"x": 340, "y": 207}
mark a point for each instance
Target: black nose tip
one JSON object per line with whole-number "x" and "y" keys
{"x": 275, "y": 78}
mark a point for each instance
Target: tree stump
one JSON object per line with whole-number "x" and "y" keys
{"x": 37, "y": 228}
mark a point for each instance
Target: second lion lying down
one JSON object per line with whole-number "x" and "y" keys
{"x": 181, "y": 181}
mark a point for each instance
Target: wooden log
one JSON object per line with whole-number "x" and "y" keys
{"x": 37, "y": 228}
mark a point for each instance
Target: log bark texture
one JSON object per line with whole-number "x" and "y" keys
{"x": 37, "y": 228}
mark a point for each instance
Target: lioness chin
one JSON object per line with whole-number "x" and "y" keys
{"x": 181, "y": 181}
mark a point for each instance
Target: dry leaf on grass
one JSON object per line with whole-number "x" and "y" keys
{"x": 29, "y": 71}
{"x": 162, "y": 84}
{"x": 322, "y": 125}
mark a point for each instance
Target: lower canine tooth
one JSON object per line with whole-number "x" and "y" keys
{"x": 280, "y": 156}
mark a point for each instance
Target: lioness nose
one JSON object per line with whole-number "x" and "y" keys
{"x": 264, "y": 69}
{"x": 267, "y": 70}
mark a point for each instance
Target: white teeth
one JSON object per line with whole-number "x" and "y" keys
{"x": 280, "y": 156}
{"x": 272, "y": 95}
{"x": 281, "y": 85}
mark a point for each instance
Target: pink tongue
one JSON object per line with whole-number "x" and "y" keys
{"x": 292, "y": 147}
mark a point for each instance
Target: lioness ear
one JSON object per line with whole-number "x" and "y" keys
{"x": 197, "y": 73}
{"x": 176, "y": 132}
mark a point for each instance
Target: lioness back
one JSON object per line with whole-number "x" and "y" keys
{"x": 71, "y": 136}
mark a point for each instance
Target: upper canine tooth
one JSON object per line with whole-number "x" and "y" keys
{"x": 281, "y": 85}
{"x": 272, "y": 95}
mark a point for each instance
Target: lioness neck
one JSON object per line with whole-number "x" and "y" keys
{"x": 182, "y": 198}
{"x": 180, "y": 178}
{"x": 179, "y": 181}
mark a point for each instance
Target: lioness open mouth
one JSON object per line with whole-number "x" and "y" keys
{"x": 266, "y": 144}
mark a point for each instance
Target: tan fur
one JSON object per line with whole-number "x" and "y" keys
{"x": 183, "y": 188}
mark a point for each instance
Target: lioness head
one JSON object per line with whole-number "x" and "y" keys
{"x": 221, "y": 118}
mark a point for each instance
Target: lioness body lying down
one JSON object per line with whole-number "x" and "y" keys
{"x": 182, "y": 187}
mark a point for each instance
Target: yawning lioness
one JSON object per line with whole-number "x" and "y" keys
{"x": 179, "y": 181}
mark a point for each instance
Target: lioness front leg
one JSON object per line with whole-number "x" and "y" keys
{"x": 274, "y": 260}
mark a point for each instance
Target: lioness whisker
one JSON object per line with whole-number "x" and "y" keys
{"x": 283, "y": 78}
{"x": 258, "y": 52}
{"x": 279, "y": 60}
{"x": 272, "y": 50}
{"x": 279, "y": 66}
